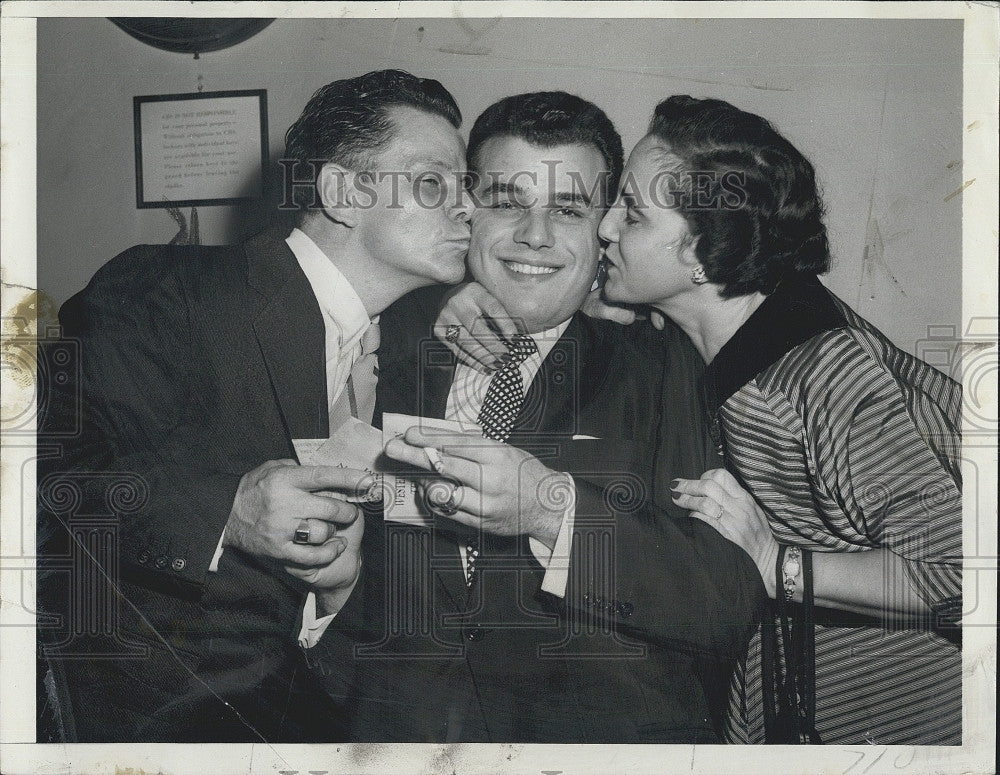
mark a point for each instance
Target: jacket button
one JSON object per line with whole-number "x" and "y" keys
{"x": 625, "y": 610}
{"x": 475, "y": 633}
{"x": 144, "y": 556}
{"x": 161, "y": 562}
{"x": 178, "y": 564}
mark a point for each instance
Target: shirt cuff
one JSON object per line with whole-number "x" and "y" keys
{"x": 312, "y": 628}
{"x": 213, "y": 566}
{"x": 557, "y": 563}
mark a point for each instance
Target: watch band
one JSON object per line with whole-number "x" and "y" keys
{"x": 791, "y": 569}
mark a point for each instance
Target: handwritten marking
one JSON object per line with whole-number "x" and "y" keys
{"x": 877, "y": 760}
{"x": 861, "y": 758}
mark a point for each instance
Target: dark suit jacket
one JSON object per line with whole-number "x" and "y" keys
{"x": 195, "y": 365}
{"x": 641, "y": 647}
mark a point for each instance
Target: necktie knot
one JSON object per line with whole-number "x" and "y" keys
{"x": 357, "y": 399}
{"x": 521, "y": 348}
{"x": 505, "y": 395}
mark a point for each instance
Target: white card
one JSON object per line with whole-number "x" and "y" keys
{"x": 355, "y": 444}
{"x": 401, "y": 502}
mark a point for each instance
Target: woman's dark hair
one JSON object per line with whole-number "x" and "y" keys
{"x": 347, "y": 122}
{"x": 747, "y": 194}
{"x": 551, "y": 118}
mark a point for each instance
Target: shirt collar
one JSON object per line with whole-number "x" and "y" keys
{"x": 339, "y": 301}
{"x": 546, "y": 340}
{"x": 799, "y": 309}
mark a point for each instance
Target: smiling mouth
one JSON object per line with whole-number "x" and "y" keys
{"x": 519, "y": 268}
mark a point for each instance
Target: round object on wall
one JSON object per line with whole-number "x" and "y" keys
{"x": 191, "y": 36}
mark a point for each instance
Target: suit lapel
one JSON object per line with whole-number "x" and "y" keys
{"x": 415, "y": 370}
{"x": 447, "y": 564}
{"x": 561, "y": 386}
{"x": 437, "y": 365}
{"x": 289, "y": 329}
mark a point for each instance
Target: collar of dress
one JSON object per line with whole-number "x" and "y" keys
{"x": 799, "y": 309}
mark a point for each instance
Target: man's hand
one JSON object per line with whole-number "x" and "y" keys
{"x": 279, "y": 496}
{"x": 334, "y": 581}
{"x": 496, "y": 487}
{"x": 480, "y": 327}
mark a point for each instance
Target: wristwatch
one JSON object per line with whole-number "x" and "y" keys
{"x": 791, "y": 569}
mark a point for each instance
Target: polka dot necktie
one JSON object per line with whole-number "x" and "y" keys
{"x": 502, "y": 405}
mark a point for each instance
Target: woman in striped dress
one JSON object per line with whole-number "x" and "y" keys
{"x": 849, "y": 445}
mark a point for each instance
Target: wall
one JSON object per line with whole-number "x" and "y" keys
{"x": 875, "y": 105}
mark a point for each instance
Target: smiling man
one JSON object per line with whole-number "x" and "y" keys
{"x": 534, "y": 243}
{"x": 508, "y": 618}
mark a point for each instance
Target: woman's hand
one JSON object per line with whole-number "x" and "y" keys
{"x": 595, "y": 307}
{"x": 873, "y": 582}
{"x": 718, "y": 500}
{"x": 475, "y": 327}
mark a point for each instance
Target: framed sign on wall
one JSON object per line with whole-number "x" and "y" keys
{"x": 205, "y": 148}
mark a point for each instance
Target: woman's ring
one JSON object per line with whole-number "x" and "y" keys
{"x": 451, "y": 333}
{"x": 721, "y": 511}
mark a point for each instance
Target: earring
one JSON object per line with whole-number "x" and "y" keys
{"x": 698, "y": 275}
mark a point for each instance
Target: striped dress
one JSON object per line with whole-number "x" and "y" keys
{"x": 850, "y": 444}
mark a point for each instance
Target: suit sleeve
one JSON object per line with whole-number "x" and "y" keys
{"x": 363, "y": 621}
{"x": 665, "y": 580}
{"x": 135, "y": 385}
{"x": 638, "y": 562}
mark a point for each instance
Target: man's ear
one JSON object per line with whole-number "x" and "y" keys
{"x": 335, "y": 185}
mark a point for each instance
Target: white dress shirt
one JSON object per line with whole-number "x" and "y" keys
{"x": 344, "y": 316}
{"x": 345, "y": 321}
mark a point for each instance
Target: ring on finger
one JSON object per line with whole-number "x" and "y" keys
{"x": 451, "y": 505}
{"x": 301, "y": 534}
{"x": 452, "y": 332}
{"x": 446, "y": 507}
{"x": 722, "y": 511}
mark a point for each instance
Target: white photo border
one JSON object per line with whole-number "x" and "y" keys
{"x": 18, "y": 246}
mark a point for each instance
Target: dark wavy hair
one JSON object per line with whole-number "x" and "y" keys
{"x": 551, "y": 118}
{"x": 756, "y": 211}
{"x": 347, "y": 121}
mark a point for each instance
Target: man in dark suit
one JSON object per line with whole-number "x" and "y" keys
{"x": 177, "y": 528}
{"x": 512, "y": 616}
